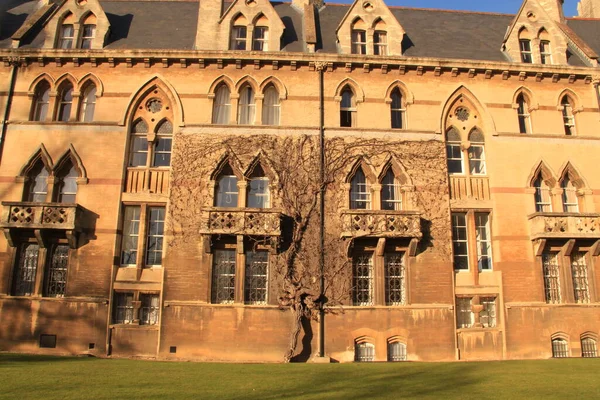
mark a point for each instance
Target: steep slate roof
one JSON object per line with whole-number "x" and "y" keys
{"x": 430, "y": 33}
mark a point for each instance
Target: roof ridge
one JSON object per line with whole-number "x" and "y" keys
{"x": 430, "y": 9}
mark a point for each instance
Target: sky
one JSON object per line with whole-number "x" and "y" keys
{"x": 501, "y": 6}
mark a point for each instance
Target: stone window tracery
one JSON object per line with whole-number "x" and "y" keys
{"x": 65, "y": 105}
{"x": 41, "y": 101}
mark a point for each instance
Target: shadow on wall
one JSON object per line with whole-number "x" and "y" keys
{"x": 306, "y": 342}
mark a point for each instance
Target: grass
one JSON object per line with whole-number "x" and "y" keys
{"x": 45, "y": 377}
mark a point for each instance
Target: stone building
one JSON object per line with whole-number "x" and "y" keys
{"x": 161, "y": 182}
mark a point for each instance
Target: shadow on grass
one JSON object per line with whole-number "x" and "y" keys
{"x": 7, "y": 358}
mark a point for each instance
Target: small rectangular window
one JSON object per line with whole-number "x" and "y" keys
{"x": 359, "y": 42}
{"x": 155, "y": 236}
{"x": 364, "y": 352}
{"x": 238, "y": 38}
{"x": 484, "y": 241}
{"x": 460, "y": 241}
{"x": 150, "y": 309}
{"x": 455, "y": 158}
{"x": 560, "y": 348}
{"x": 65, "y": 40}
{"x": 545, "y": 52}
{"x": 223, "y": 276}
{"x": 257, "y": 272}
{"x": 396, "y": 351}
{"x": 260, "y": 38}
{"x": 525, "y": 47}
{"x": 131, "y": 231}
{"x": 162, "y": 151}
{"x": 589, "y": 348}
{"x": 363, "y": 279}
{"x": 487, "y": 316}
{"x": 47, "y": 341}
{"x": 551, "y": 277}
{"x": 139, "y": 151}
{"x": 464, "y": 313}
{"x": 89, "y": 32}
{"x": 380, "y": 43}
{"x": 123, "y": 308}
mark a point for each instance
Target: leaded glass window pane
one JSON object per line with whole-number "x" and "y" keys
{"x": 139, "y": 145}
{"x": 223, "y": 277}
{"x": 163, "y": 144}
{"x": 150, "y": 309}
{"x": 131, "y": 230}
{"x": 56, "y": 279}
{"x": 155, "y": 238}
{"x": 363, "y": 279}
{"x": 464, "y": 313}
{"x": 589, "y": 348}
{"x": 360, "y": 192}
{"x": 551, "y": 277}
{"x": 396, "y": 351}
{"x": 257, "y": 271}
{"x": 460, "y": 241}
{"x": 487, "y": 316}
{"x": 484, "y": 241}
{"x": 395, "y": 292}
{"x": 454, "y": 152}
{"x": 579, "y": 270}
{"x": 42, "y": 101}
{"x": 123, "y": 308}
{"x": 25, "y": 270}
{"x": 364, "y": 352}
{"x": 560, "y": 348}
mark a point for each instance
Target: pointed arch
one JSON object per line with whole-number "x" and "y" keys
{"x": 377, "y": 21}
{"x": 409, "y": 98}
{"x": 452, "y": 135}
{"x": 487, "y": 122}
{"x": 529, "y": 97}
{"x": 41, "y": 77}
{"x": 66, "y": 77}
{"x": 91, "y": 78}
{"x": 560, "y": 336}
{"x": 543, "y": 34}
{"x": 398, "y": 169}
{"x": 246, "y": 80}
{"x": 367, "y": 168}
{"x": 589, "y": 335}
{"x": 72, "y": 155}
{"x": 548, "y": 176}
{"x": 40, "y": 154}
{"x": 573, "y": 173}
{"x": 257, "y": 18}
{"x": 262, "y": 160}
{"x": 524, "y": 33}
{"x": 364, "y": 339}
{"x": 223, "y": 79}
{"x": 354, "y": 86}
{"x": 227, "y": 159}
{"x": 86, "y": 15}
{"x": 476, "y": 135}
{"x": 239, "y": 18}
{"x": 273, "y": 80}
{"x": 577, "y": 107}
{"x": 155, "y": 80}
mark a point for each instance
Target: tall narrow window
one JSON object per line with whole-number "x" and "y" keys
{"x": 163, "y": 144}
{"x": 551, "y": 278}
{"x": 25, "y": 269}
{"x": 65, "y": 40}
{"x": 545, "y": 52}
{"x": 581, "y": 287}
{"x": 396, "y": 351}
{"x": 155, "y": 236}
{"x": 360, "y": 192}
{"x": 380, "y": 43}
{"x": 465, "y": 318}
{"x": 222, "y": 105}
{"x": 65, "y": 103}
{"x": 246, "y": 106}
{"x": 395, "y": 292}
{"x": 238, "y": 38}
{"x": 484, "y": 241}
{"x": 589, "y": 348}
{"x": 568, "y": 116}
{"x": 364, "y": 352}
{"x": 223, "y": 277}
{"x": 226, "y": 188}
{"x": 348, "y": 108}
{"x": 271, "y": 106}
{"x": 477, "y": 153}
{"x": 454, "y": 152}
{"x": 569, "y": 196}
{"x": 139, "y": 144}
{"x": 363, "y": 279}
{"x": 56, "y": 271}
{"x": 65, "y": 183}
{"x": 487, "y": 316}
{"x": 123, "y": 308}
{"x": 260, "y": 38}
{"x": 523, "y": 114}
{"x": 359, "y": 41}
{"x": 560, "y": 348}
{"x": 150, "y": 309}
{"x": 37, "y": 183}
{"x": 258, "y": 193}
{"x": 525, "y": 47}
{"x": 256, "y": 282}
{"x": 397, "y": 109}
{"x": 88, "y": 104}
{"x": 460, "y": 241}
{"x": 391, "y": 192}
{"x": 41, "y": 101}
{"x": 543, "y": 202}
{"x": 87, "y": 36}
{"x": 131, "y": 232}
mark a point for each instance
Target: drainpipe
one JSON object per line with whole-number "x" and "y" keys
{"x": 322, "y": 212}
{"x": 14, "y": 63}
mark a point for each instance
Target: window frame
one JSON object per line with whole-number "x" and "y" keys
{"x": 348, "y": 112}
{"x": 589, "y": 347}
{"x": 256, "y": 293}
{"x": 397, "y": 111}
{"x": 523, "y": 115}
{"x": 25, "y": 269}
{"x": 41, "y": 102}
{"x": 568, "y": 115}
{"x": 66, "y": 41}
{"x": 525, "y": 51}
{"x": 542, "y": 195}
{"x": 66, "y": 99}
{"x": 140, "y": 225}
{"x": 380, "y": 47}
{"x": 551, "y": 274}
{"x": 560, "y": 348}
{"x": 545, "y": 52}
{"x": 362, "y": 272}
{"x": 246, "y": 112}
{"x": 223, "y": 283}
{"x": 358, "y": 41}
{"x": 360, "y": 191}
{"x": 88, "y": 102}
{"x": 87, "y": 40}
{"x": 56, "y": 276}
{"x": 364, "y": 352}
{"x": 262, "y": 43}
{"x": 394, "y": 283}
{"x": 238, "y": 41}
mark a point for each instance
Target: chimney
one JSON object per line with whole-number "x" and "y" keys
{"x": 554, "y": 8}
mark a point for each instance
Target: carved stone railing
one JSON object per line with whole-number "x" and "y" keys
{"x": 473, "y": 188}
{"x": 263, "y": 222}
{"x": 383, "y": 223}
{"x": 564, "y": 225}
{"x": 144, "y": 180}
{"x": 40, "y": 217}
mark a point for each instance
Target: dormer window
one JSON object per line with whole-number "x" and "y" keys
{"x": 87, "y": 36}
{"x": 65, "y": 40}
{"x": 260, "y": 37}
{"x": 545, "y": 52}
{"x": 359, "y": 41}
{"x": 380, "y": 43}
{"x": 238, "y": 38}
{"x": 525, "y": 47}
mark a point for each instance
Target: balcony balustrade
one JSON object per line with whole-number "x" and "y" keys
{"x": 262, "y": 222}
{"x": 381, "y": 223}
{"x": 564, "y": 225}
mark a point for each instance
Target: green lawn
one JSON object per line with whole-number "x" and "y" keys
{"x": 40, "y": 377}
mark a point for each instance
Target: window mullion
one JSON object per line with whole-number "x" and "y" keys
{"x": 472, "y": 243}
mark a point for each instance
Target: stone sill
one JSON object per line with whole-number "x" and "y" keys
{"x": 56, "y": 299}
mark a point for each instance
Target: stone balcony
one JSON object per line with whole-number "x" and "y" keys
{"x": 381, "y": 223}
{"x": 236, "y": 221}
{"x": 41, "y": 216}
{"x": 564, "y": 225}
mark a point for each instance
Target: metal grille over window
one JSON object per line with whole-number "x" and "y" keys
{"x": 260, "y": 38}
{"x": 380, "y": 43}
{"x": 460, "y": 241}
{"x": 37, "y": 183}
{"x": 348, "y": 108}
{"x": 580, "y": 277}
{"x": 139, "y": 144}
{"x": 464, "y": 312}
{"x": 477, "y": 153}
{"x": 525, "y": 47}
{"x": 560, "y": 348}
{"x": 551, "y": 277}
{"x": 523, "y": 114}
{"x": 154, "y": 241}
{"x": 568, "y": 116}
{"x": 543, "y": 202}
{"x": 26, "y": 269}
{"x": 163, "y": 144}
{"x": 223, "y": 281}
{"x": 66, "y": 37}
{"x": 484, "y": 241}
{"x": 363, "y": 279}
{"x": 364, "y": 352}
{"x": 227, "y": 188}
{"x": 257, "y": 271}
{"x": 589, "y": 348}
{"x": 391, "y": 192}
{"x": 360, "y": 192}
{"x": 487, "y": 316}
{"x": 395, "y": 293}
{"x": 123, "y": 308}
{"x": 131, "y": 230}
{"x": 396, "y": 351}
{"x": 359, "y": 42}
{"x": 56, "y": 281}
{"x": 398, "y": 109}
{"x": 569, "y": 197}
{"x": 454, "y": 152}
{"x": 150, "y": 309}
